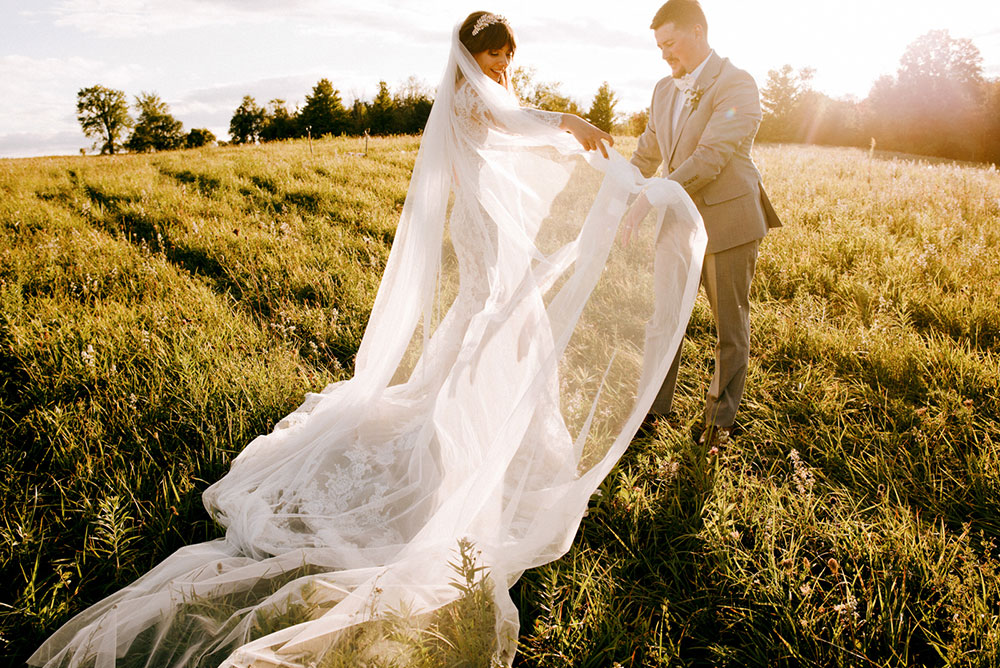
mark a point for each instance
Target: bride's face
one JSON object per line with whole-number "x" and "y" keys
{"x": 494, "y": 62}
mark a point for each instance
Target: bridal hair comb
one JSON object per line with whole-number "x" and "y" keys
{"x": 488, "y": 20}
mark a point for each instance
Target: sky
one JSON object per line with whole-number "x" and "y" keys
{"x": 203, "y": 56}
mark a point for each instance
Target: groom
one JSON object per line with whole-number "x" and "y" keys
{"x": 702, "y": 122}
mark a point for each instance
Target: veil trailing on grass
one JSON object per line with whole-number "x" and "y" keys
{"x": 511, "y": 354}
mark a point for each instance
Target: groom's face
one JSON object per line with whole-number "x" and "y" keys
{"x": 681, "y": 47}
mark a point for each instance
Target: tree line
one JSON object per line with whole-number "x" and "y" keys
{"x": 404, "y": 112}
{"x": 104, "y": 115}
{"x": 324, "y": 113}
{"x": 938, "y": 103}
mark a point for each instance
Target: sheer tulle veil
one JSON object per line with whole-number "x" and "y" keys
{"x": 512, "y": 351}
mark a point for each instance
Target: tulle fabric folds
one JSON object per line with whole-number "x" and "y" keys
{"x": 511, "y": 354}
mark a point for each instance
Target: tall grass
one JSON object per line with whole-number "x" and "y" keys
{"x": 157, "y": 312}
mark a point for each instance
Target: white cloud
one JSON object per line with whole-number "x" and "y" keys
{"x": 128, "y": 18}
{"x": 28, "y": 144}
{"x": 39, "y": 94}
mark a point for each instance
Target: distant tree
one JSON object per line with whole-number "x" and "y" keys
{"x": 199, "y": 137}
{"x": 247, "y": 122}
{"x": 545, "y": 95}
{"x": 991, "y": 131}
{"x": 323, "y": 113}
{"x": 549, "y": 97}
{"x": 357, "y": 117}
{"x": 602, "y": 109}
{"x": 103, "y": 113}
{"x": 156, "y": 129}
{"x": 278, "y": 122}
{"x": 633, "y": 124}
{"x": 824, "y": 120}
{"x": 781, "y": 100}
{"x": 382, "y": 112}
{"x": 413, "y": 106}
{"x": 939, "y": 58}
{"x": 935, "y": 104}
{"x": 522, "y": 80}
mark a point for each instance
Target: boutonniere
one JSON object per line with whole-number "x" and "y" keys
{"x": 692, "y": 96}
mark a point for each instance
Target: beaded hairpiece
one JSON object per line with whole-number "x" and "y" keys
{"x": 488, "y": 20}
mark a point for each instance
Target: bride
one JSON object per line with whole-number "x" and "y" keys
{"x": 512, "y": 351}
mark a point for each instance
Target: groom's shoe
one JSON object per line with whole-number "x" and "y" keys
{"x": 715, "y": 437}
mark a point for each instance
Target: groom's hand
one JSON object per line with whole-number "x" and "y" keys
{"x": 590, "y": 136}
{"x": 630, "y": 223}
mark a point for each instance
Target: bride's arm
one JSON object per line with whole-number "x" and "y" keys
{"x": 468, "y": 103}
{"x": 590, "y": 136}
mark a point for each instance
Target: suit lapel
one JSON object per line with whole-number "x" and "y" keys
{"x": 706, "y": 79}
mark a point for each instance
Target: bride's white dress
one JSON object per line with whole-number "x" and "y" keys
{"x": 510, "y": 356}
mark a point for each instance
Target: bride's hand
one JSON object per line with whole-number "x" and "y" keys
{"x": 630, "y": 223}
{"x": 590, "y": 136}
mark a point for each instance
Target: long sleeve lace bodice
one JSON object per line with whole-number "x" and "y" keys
{"x": 475, "y": 118}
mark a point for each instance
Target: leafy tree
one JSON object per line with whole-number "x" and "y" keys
{"x": 103, "y": 114}
{"x": 549, "y": 96}
{"x": 413, "y": 104}
{"x": 382, "y": 111}
{"x": 199, "y": 137}
{"x": 546, "y": 95}
{"x": 938, "y": 57}
{"x": 991, "y": 106}
{"x": 357, "y": 117}
{"x": 824, "y": 120}
{"x": 522, "y": 80}
{"x": 935, "y": 105}
{"x": 781, "y": 100}
{"x": 247, "y": 122}
{"x": 278, "y": 122}
{"x": 634, "y": 124}
{"x": 156, "y": 129}
{"x": 323, "y": 113}
{"x": 602, "y": 109}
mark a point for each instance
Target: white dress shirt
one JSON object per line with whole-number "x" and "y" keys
{"x": 684, "y": 83}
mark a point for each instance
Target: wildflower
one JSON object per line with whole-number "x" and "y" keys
{"x": 669, "y": 470}
{"x": 849, "y": 608}
{"x": 88, "y": 357}
{"x": 804, "y": 479}
{"x": 805, "y": 589}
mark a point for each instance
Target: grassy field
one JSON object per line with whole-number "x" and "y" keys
{"x": 158, "y": 312}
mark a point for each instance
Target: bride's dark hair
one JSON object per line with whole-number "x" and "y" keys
{"x": 496, "y": 35}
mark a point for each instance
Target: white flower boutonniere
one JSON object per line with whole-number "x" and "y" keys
{"x": 692, "y": 96}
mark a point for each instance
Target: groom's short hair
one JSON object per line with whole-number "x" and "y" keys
{"x": 682, "y": 13}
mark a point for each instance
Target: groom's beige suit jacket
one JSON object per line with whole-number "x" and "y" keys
{"x": 708, "y": 152}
